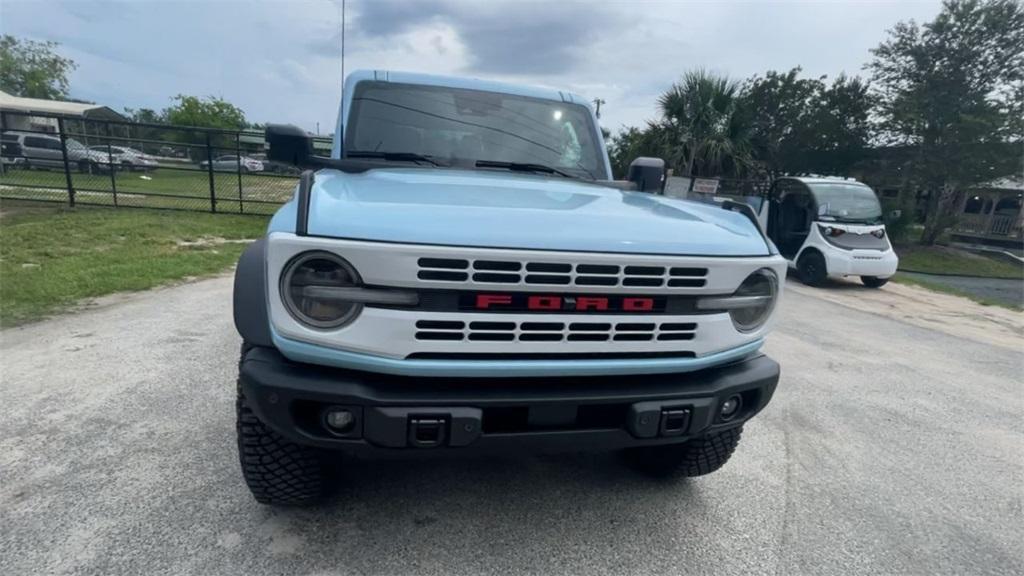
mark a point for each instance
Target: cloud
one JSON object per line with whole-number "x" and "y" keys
{"x": 500, "y": 37}
{"x": 279, "y": 61}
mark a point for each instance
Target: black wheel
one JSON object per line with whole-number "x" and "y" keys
{"x": 873, "y": 281}
{"x": 276, "y": 470}
{"x": 83, "y": 166}
{"x": 811, "y": 268}
{"x": 697, "y": 457}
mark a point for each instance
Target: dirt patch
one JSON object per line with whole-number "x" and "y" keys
{"x": 207, "y": 241}
{"x": 946, "y": 313}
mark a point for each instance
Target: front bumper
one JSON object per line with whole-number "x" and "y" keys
{"x": 861, "y": 262}
{"x": 396, "y": 414}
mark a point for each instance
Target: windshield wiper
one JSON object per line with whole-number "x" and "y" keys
{"x": 392, "y": 156}
{"x": 524, "y": 167}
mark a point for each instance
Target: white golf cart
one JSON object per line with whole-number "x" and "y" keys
{"x": 829, "y": 227}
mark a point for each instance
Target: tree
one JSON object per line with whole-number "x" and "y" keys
{"x": 803, "y": 125}
{"x": 951, "y": 89}
{"x": 781, "y": 105}
{"x": 705, "y": 127}
{"x": 209, "y": 112}
{"x": 33, "y": 69}
{"x": 631, "y": 143}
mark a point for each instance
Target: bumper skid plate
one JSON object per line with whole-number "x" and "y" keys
{"x": 392, "y": 413}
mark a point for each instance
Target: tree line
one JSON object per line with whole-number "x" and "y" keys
{"x": 942, "y": 111}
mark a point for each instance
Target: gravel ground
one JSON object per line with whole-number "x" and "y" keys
{"x": 1005, "y": 290}
{"x": 892, "y": 446}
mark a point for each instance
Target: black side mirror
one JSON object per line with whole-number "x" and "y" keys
{"x": 289, "y": 144}
{"x": 647, "y": 174}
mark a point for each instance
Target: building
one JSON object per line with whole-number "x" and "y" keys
{"x": 991, "y": 214}
{"x": 36, "y": 115}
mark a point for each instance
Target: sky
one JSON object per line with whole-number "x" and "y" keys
{"x": 280, "y": 60}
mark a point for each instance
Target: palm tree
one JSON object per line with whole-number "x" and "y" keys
{"x": 706, "y": 130}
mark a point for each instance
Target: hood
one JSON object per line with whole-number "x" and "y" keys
{"x": 502, "y": 209}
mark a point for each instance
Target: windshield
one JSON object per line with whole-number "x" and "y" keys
{"x": 74, "y": 144}
{"x": 846, "y": 203}
{"x": 471, "y": 125}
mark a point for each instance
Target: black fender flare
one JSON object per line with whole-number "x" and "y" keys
{"x": 250, "y": 296}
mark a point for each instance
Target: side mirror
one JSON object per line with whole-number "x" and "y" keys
{"x": 289, "y": 144}
{"x": 647, "y": 174}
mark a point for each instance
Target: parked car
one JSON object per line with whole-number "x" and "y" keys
{"x": 231, "y": 163}
{"x": 10, "y": 150}
{"x": 126, "y": 158}
{"x": 829, "y": 227}
{"x": 275, "y": 167}
{"x": 465, "y": 275}
{"x": 45, "y": 151}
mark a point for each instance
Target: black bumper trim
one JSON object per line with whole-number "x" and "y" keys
{"x": 290, "y": 397}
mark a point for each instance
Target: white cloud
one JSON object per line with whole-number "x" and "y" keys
{"x": 278, "y": 60}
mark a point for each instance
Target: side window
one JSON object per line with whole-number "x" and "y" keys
{"x": 52, "y": 143}
{"x": 35, "y": 142}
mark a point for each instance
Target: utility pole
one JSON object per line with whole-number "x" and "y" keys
{"x": 597, "y": 106}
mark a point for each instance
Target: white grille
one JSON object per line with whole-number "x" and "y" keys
{"x": 539, "y": 273}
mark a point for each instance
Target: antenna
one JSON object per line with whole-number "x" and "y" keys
{"x": 342, "y": 46}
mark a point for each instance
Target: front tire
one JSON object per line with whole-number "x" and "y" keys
{"x": 696, "y": 457}
{"x": 874, "y": 281}
{"x": 276, "y": 470}
{"x": 812, "y": 269}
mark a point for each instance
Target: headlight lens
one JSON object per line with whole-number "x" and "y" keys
{"x": 764, "y": 286}
{"x": 311, "y": 270}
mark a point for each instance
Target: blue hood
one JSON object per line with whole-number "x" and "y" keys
{"x": 501, "y": 209}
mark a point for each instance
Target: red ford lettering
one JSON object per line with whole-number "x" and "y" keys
{"x": 591, "y": 303}
{"x": 544, "y": 303}
{"x": 638, "y": 304}
{"x": 485, "y": 300}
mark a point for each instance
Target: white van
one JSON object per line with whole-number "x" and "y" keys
{"x": 829, "y": 227}
{"x": 45, "y": 151}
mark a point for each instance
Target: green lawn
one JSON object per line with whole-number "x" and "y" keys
{"x": 52, "y": 257}
{"x": 945, "y": 260}
{"x": 260, "y": 193}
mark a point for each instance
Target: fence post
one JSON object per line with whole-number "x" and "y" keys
{"x": 110, "y": 164}
{"x": 238, "y": 158}
{"x": 209, "y": 169}
{"x": 3, "y": 128}
{"x": 64, "y": 155}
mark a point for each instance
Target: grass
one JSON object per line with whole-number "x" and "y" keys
{"x": 161, "y": 188}
{"x": 945, "y": 260}
{"x": 52, "y": 257}
{"x": 937, "y": 287}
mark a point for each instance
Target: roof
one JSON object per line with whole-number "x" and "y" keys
{"x": 823, "y": 179}
{"x": 1008, "y": 183}
{"x": 465, "y": 83}
{"x": 57, "y": 107}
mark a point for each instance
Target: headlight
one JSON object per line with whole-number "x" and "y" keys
{"x": 752, "y": 303}
{"x": 302, "y": 284}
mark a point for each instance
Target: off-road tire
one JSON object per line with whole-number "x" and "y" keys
{"x": 812, "y": 268}
{"x": 697, "y": 457}
{"x": 873, "y": 281}
{"x": 276, "y": 470}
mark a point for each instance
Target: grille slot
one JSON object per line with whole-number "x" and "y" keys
{"x": 504, "y": 331}
{"x": 514, "y": 272}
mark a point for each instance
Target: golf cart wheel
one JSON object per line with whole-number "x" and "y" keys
{"x": 873, "y": 281}
{"x": 697, "y": 457}
{"x": 811, "y": 268}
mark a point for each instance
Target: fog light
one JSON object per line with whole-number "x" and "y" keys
{"x": 730, "y": 407}
{"x": 339, "y": 420}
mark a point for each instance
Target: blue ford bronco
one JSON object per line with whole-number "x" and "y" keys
{"x": 463, "y": 274}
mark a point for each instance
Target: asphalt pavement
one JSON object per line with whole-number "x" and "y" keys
{"x": 890, "y": 448}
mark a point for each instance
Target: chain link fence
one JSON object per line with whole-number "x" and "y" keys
{"x": 75, "y": 161}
